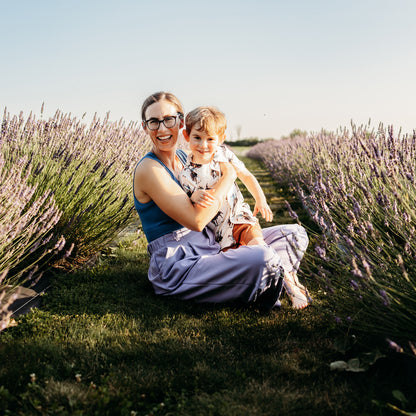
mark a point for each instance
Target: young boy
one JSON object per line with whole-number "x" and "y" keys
{"x": 235, "y": 224}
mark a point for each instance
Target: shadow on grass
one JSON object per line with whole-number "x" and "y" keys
{"x": 103, "y": 343}
{"x": 106, "y": 326}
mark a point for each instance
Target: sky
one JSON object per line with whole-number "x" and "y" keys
{"x": 271, "y": 66}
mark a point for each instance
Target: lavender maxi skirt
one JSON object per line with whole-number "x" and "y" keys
{"x": 189, "y": 265}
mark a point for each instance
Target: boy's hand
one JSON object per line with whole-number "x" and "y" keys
{"x": 203, "y": 197}
{"x": 264, "y": 209}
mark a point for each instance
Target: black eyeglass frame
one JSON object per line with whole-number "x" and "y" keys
{"x": 178, "y": 115}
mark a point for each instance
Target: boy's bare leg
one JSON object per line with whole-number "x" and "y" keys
{"x": 256, "y": 241}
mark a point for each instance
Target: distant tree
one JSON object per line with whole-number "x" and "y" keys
{"x": 251, "y": 141}
{"x": 296, "y": 133}
{"x": 238, "y": 130}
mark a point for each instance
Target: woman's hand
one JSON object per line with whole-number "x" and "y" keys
{"x": 203, "y": 197}
{"x": 264, "y": 209}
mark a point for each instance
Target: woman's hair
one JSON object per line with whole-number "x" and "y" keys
{"x": 161, "y": 96}
{"x": 207, "y": 119}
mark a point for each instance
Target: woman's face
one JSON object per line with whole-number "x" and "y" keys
{"x": 163, "y": 138}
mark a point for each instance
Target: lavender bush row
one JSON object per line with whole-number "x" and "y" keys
{"x": 87, "y": 170}
{"x": 359, "y": 187}
{"x": 26, "y": 230}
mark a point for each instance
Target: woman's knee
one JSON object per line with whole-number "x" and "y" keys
{"x": 261, "y": 255}
{"x": 302, "y": 237}
{"x": 296, "y": 234}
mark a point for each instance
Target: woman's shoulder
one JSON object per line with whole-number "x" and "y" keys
{"x": 148, "y": 175}
{"x": 145, "y": 163}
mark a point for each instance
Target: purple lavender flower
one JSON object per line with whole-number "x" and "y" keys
{"x": 320, "y": 251}
{"x": 407, "y": 248}
{"x": 394, "y": 346}
{"x": 291, "y": 212}
{"x": 383, "y": 294}
{"x": 406, "y": 217}
{"x": 69, "y": 251}
{"x": 354, "y": 284}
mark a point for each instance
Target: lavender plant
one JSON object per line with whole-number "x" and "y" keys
{"x": 26, "y": 231}
{"x": 359, "y": 187}
{"x": 87, "y": 169}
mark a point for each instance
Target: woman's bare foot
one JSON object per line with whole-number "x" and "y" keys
{"x": 296, "y": 280}
{"x": 300, "y": 286}
{"x": 297, "y": 293}
{"x": 297, "y": 297}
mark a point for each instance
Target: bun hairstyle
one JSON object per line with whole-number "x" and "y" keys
{"x": 162, "y": 96}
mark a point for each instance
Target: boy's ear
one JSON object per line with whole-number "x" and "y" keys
{"x": 223, "y": 138}
{"x": 185, "y": 134}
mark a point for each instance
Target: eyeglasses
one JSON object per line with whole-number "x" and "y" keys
{"x": 169, "y": 122}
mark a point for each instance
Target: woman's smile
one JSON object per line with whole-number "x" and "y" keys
{"x": 164, "y": 138}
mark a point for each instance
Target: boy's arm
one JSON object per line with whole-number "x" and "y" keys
{"x": 198, "y": 196}
{"x": 251, "y": 184}
{"x": 254, "y": 188}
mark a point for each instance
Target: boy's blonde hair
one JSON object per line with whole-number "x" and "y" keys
{"x": 207, "y": 119}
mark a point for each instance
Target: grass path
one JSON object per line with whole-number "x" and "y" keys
{"x": 276, "y": 197}
{"x": 104, "y": 344}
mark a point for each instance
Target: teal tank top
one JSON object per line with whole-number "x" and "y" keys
{"x": 155, "y": 222}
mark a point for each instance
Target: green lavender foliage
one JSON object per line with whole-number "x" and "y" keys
{"x": 65, "y": 192}
{"x": 87, "y": 169}
{"x": 27, "y": 232}
{"x": 26, "y": 223}
{"x": 359, "y": 188}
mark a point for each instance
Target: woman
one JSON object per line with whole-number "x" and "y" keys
{"x": 185, "y": 260}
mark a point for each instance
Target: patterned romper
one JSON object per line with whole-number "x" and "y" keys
{"x": 234, "y": 210}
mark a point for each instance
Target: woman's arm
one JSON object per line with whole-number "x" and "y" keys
{"x": 152, "y": 182}
{"x": 250, "y": 181}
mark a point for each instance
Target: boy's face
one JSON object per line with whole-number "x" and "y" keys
{"x": 203, "y": 145}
